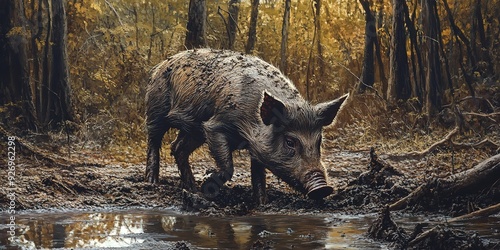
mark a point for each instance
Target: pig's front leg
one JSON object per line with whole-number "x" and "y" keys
{"x": 218, "y": 145}
{"x": 259, "y": 182}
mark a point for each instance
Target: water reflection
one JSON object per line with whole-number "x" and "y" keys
{"x": 135, "y": 228}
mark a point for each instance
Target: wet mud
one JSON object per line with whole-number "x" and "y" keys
{"x": 360, "y": 187}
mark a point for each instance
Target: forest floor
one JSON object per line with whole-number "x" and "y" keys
{"x": 47, "y": 185}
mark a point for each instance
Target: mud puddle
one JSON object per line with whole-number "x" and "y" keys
{"x": 169, "y": 229}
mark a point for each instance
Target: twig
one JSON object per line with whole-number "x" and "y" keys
{"x": 359, "y": 79}
{"x": 484, "y": 142}
{"x": 224, "y": 20}
{"x": 484, "y": 115}
{"x": 418, "y": 154}
{"x": 473, "y": 98}
{"x": 481, "y": 114}
{"x": 114, "y": 11}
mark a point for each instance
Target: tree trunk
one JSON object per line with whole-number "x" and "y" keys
{"x": 6, "y": 7}
{"x": 368, "y": 71}
{"x": 417, "y": 64}
{"x": 312, "y": 61}
{"x": 399, "y": 83}
{"x": 378, "y": 51}
{"x": 233, "y": 9}
{"x": 196, "y": 26}
{"x": 14, "y": 73}
{"x": 252, "y": 31}
{"x": 59, "y": 101}
{"x": 284, "y": 36}
{"x": 38, "y": 27}
{"x": 484, "y": 53}
{"x": 317, "y": 22}
{"x": 459, "y": 34}
{"x": 44, "y": 88}
{"x": 433, "y": 78}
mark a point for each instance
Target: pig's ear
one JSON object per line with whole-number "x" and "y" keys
{"x": 327, "y": 111}
{"x": 271, "y": 110}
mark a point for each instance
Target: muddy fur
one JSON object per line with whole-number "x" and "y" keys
{"x": 234, "y": 101}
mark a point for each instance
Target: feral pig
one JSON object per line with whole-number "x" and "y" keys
{"x": 234, "y": 101}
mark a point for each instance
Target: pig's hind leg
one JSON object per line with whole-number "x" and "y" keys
{"x": 156, "y": 130}
{"x": 182, "y": 147}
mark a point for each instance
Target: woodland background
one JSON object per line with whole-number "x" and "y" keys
{"x": 73, "y": 73}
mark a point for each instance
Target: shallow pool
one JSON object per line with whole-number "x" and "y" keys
{"x": 153, "y": 228}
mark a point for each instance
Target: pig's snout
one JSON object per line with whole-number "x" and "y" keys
{"x": 316, "y": 186}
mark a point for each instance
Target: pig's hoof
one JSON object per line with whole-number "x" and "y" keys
{"x": 211, "y": 187}
{"x": 194, "y": 202}
{"x": 320, "y": 192}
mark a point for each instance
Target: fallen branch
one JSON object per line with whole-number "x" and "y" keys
{"x": 412, "y": 197}
{"x": 479, "y": 213}
{"x": 448, "y": 139}
{"x": 484, "y": 174}
{"x": 432, "y": 148}
{"x": 483, "y": 143}
{"x": 423, "y": 236}
{"x": 484, "y": 212}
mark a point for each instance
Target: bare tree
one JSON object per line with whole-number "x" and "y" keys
{"x": 315, "y": 42}
{"x": 459, "y": 35}
{"x": 477, "y": 27}
{"x": 59, "y": 89}
{"x": 14, "y": 72}
{"x": 284, "y": 36}
{"x": 415, "y": 55}
{"x": 233, "y": 9}
{"x": 317, "y": 24}
{"x": 399, "y": 87}
{"x": 252, "y": 31}
{"x": 196, "y": 25}
{"x": 433, "y": 77}
{"x": 368, "y": 71}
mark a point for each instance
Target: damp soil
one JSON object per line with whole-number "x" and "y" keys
{"x": 42, "y": 188}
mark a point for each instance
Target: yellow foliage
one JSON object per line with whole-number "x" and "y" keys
{"x": 16, "y": 31}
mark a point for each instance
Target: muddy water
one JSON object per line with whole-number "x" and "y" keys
{"x": 149, "y": 228}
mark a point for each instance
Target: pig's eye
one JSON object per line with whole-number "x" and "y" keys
{"x": 290, "y": 142}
